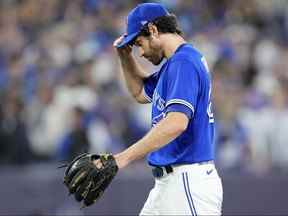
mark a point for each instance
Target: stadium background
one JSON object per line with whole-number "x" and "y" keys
{"x": 61, "y": 93}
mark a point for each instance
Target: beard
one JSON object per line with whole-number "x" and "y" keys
{"x": 155, "y": 59}
{"x": 154, "y": 54}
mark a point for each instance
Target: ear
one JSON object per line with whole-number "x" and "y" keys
{"x": 153, "y": 30}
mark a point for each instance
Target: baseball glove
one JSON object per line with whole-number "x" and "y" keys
{"x": 86, "y": 180}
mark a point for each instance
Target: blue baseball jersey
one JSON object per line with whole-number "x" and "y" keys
{"x": 183, "y": 85}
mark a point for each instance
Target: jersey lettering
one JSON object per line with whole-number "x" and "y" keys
{"x": 203, "y": 59}
{"x": 209, "y": 108}
{"x": 158, "y": 101}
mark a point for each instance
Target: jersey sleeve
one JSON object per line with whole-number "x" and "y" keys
{"x": 182, "y": 87}
{"x": 150, "y": 85}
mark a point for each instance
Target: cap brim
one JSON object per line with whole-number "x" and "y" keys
{"x": 127, "y": 39}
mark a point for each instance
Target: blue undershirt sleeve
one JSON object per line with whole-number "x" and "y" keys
{"x": 180, "y": 108}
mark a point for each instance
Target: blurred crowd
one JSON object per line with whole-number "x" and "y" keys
{"x": 62, "y": 93}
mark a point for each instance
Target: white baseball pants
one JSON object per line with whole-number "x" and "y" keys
{"x": 189, "y": 190}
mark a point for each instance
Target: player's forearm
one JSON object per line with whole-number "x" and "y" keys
{"x": 130, "y": 64}
{"x": 133, "y": 75}
{"x": 161, "y": 134}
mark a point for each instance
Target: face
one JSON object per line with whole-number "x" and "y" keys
{"x": 150, "y": 48}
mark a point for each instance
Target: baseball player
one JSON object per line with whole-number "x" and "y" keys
{"x": 179, "y": 146}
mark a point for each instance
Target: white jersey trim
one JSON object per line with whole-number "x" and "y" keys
{"x": 146, "y": 96}
{"x": 180, "y": 101}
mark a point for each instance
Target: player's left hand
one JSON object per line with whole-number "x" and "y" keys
{"x": 88, "y": 180}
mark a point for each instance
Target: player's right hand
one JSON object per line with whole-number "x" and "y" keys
{"x": 122, "y": 51}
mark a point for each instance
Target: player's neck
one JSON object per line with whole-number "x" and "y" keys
{"x": 170, "y": 43}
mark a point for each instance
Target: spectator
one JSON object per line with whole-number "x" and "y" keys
{"x": 76, "y": 140}
{"x": 13, "y": 132}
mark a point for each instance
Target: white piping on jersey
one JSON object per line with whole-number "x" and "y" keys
{"x": 180, "y": 101}
{"x": 146, "y": 95}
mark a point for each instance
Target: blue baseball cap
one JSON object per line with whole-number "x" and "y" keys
{"x": 138, "y": 17}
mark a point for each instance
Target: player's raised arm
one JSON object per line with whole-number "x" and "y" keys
{"x": 133, "y": 73}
